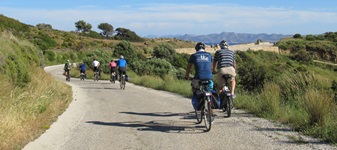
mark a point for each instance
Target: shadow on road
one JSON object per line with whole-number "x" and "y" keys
{"x": 167, "y": 126}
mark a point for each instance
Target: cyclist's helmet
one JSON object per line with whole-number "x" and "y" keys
{"x": 200, "y": 45}
{"x": 121, "y": 57}
{"x": 223, "y": 44}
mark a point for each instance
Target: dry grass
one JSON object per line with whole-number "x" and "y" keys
{"x": 27, "y": 112}
{"x": 241, "y": 47}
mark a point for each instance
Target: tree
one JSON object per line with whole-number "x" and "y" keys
{"x": 82, "y": 26}
{"x": 107, "y": 29}
{"x": 297, "y": 36}
{"x": 126, "y": 34}
{"x": 87, "y": 28}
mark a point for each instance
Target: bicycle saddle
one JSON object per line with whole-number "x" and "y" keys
{"x": 204, "y": 82}
{"x": 226, "y": 76}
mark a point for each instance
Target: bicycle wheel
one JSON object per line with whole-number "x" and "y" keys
{"x": 113, "y": 79}
{"x": 229, "y": 106}
{"x": 123, "y": 83}
{"x": 198, "y": 114}
{"x": 208, "y": 114}
{"x": 96, "y": 77}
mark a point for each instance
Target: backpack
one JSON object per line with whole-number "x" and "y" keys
{"x": 127, "y": 78}
{"x": 66, "y": 66}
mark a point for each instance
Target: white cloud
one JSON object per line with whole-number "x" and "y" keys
{"x": 180, "y": 19}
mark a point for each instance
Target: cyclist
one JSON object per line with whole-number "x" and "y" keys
{"x": 83, "y": 68}
{"x": 202, "y": 62}
{"x": 224, "y": 60}
{"x": 95, "y": 65}
{"x": 66, "y": 68}
{"x": 121, "y": 64}
{"x": 113, "y": 67}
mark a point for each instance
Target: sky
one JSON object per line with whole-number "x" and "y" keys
{"x": 198, "y": 17}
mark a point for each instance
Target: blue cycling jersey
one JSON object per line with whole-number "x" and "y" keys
{"x": 121, "y": 63}
{"x": 202, "y": 62}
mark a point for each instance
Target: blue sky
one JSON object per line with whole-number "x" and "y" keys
{"x": 149, "y": 17}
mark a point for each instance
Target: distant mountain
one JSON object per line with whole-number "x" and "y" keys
{"x": 231, "y": 37}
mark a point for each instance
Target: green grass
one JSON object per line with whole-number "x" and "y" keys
{"x": 26, "y": 106}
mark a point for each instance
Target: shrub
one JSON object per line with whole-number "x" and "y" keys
{"x": 50, "y": 55}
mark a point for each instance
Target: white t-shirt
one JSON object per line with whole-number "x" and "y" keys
{"x": 95, "y": 63}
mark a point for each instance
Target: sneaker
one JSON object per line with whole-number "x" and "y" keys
{"x": 233, "y": 96}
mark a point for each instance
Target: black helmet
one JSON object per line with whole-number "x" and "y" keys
{"x": 223, "y": 44}
{"x": 200, "y": 45}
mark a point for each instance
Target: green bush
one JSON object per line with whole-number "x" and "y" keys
{"x": 154, "y": 66}
{"x": 126, "y": 49}
{"x": 50, "y": 55}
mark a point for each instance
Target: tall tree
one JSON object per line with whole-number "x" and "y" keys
{"x": 107, "y": 29}
{"x": 82, "y": 26}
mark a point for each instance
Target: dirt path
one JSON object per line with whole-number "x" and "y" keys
{"x": 102, "y": 116}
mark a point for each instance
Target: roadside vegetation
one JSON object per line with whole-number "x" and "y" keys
{"x": 30, "y": 99}
{"x": 290, "y": 88}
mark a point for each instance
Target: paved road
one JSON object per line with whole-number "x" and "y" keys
{"x": 103, "y": 117}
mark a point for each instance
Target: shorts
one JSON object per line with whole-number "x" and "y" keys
{"x": 122, "y": 70}
{"x": 113, "y": 69}
{"x": 222, "y": 71}
{"x": 95, "y": 69}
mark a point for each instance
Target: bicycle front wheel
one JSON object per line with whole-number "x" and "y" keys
{"x": 208, "y": 113}
{"x": 199, "y": 115}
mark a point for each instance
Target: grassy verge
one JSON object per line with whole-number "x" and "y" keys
{"x": 27, "y": 112}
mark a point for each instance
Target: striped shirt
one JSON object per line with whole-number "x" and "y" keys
{"x": 224, "y": 58}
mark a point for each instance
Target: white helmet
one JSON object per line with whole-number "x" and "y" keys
{"x": 121, "y": 57}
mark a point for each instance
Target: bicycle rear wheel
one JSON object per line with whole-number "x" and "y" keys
{"x": 96, "y": 77}
{"x": 113, "y": 79}
{"x": 229, "y": 106}
{"x": 208, "y": 114}
{"x": 122, "y": 82}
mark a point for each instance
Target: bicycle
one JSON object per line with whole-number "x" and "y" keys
{"x": 226, "y": 100}
{"x": 113, "y": 77}
{"x": 122, "y": 81}
{"x": 82, "y": 76}
{"x": 205, "y": 113}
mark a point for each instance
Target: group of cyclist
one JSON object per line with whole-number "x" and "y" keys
{"x": 223, "y": 62}
{"x": 113, "y": 66}
{"x": 204, "y": 64}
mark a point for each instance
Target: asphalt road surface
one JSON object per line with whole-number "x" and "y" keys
{"x": 104, "y": 117}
